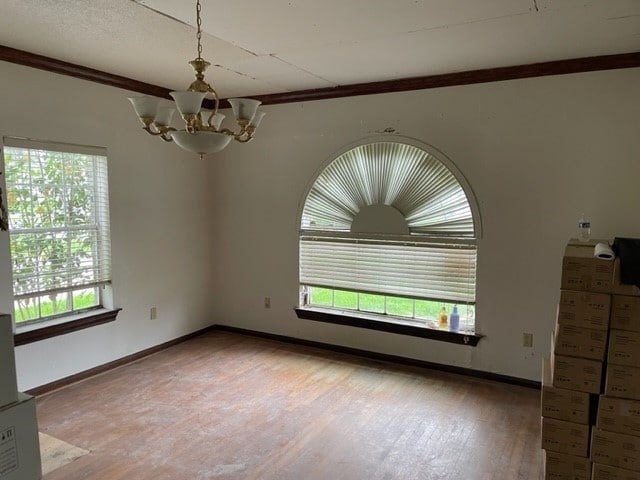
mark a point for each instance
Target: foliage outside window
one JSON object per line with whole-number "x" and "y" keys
{"x": 388, "y": 230}
{"x": 426, "y": 313}
{"x": 57, "y": 198}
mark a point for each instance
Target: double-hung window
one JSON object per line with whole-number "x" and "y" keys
{"x": 58, "y": 204}
{"x": 388, "y": 231}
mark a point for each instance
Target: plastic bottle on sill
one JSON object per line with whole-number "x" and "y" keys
{"x": 454, "y": 319}
{"x": 443, "y": 318}
{"x": 584, "y": 229}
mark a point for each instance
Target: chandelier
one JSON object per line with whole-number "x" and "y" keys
{"x": 202, "y": 132}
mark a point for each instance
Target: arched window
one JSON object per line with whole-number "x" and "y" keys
{"x": 388, "y": 230}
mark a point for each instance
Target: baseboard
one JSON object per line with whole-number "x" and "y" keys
{"x": 63, "y": 382}
{"x": 386, "y": 358}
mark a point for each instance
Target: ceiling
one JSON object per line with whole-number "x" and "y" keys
{"x": 271, "y": 46}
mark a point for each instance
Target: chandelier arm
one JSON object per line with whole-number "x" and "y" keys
{"x": 245, "y": 139}
{"x": 216, "y": 99}
{"x": 164, "y": 135}
{"x": 216, "y": 103}
{"x": 150, "y": 130}
{"x": 226, "y": 131}
{"x": 159, "y": 131}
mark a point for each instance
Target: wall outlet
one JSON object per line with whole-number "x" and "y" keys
{"x": 267, "y": 302}
{"x": 153, "y": 313}
{"x": 527, "y": 340}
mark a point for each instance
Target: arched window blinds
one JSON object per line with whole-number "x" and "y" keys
{"x": 399, "y": 175}
{"x": 436, "y": 260}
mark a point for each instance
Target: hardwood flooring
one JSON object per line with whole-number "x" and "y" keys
{"x": 229, "y": 406}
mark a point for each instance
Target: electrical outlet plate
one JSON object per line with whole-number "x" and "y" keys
{"x": 267, "y": 302}
{"x": 527, "y": 340}
{"x": 153, "y": 313}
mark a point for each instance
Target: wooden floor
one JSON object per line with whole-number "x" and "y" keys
{"x": 229, "y": 406}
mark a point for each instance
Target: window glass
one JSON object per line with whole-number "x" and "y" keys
{"x": 57, "y": 201}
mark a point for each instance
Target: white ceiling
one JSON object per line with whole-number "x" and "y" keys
{"x": 272, "y": 46}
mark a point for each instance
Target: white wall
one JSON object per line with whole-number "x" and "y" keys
{"x": 537, "y": 152}
{"x": 206, "y": 241}
{"x": 159, "y": 199}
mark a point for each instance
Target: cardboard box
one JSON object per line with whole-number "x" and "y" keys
{"x": 619, "y": 415}
{"x": 607, "y": 472}
{"x": 565, "y": 437}
{"x": 615, "y": 449}
{"x": 581, "y": 374}
{"x": 622, "y": 382}
{"x": 625, "y": 313}
{"x": 581, "y": 342}
{"x": 584, "y": 309}
{"x": 560, "y": 466}
{"x": 560, "y": 403}
{"x": 19, "y": 446}
{"x": 8, "y": 385}
{"x": 620, "y": 288}
{"x": 582, "y": 271}
{"x": 624, "y": 348}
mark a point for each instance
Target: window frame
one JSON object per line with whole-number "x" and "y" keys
{"x": 76, "y": 317}
{"x": 384, "y": 322}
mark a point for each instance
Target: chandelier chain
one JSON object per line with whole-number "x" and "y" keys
{"x": 199, "y": 27}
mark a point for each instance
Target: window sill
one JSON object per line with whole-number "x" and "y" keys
{"x": 353, "y": 319}
{"x": 62, "y": 326}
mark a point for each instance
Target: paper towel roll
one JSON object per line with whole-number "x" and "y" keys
{"x": 602, "y": 250}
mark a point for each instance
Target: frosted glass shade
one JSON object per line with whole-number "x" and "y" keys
{"x": 145, "y": 106}
{"x": 188, "y": 103}
{"x": 201, "y": 142}
{"x": 217, "y": 120}
{"x": 244, "y": 108}
{"x": 257, "y": 118}
{"x": 163, "y": 117}
{"x": 204, "y": 115}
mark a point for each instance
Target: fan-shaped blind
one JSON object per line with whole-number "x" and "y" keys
{"x": 399, "y": 175}
{"x": 436, "y": 260}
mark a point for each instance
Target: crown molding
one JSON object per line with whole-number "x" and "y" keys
{"x": 556, "y": 67}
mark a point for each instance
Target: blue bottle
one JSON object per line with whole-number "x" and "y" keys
{"x": 454, "y": 319}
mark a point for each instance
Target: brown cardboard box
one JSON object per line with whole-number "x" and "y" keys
{"x": 620, "y": 288}
{"x": 581, "y": 342}
{"x": 565, "y": 437}
{"x": 625, "y": 313}
{"x": 584, "y": 309}
{"x": 561, "y": 403}
{"x": 581, "y": 374}
{"x": 582, "y": 271}
{"x": 622, "y": 382}
{"x": 615, "y": 449}
{"x": 619, "y": 415}
{"x": 624, "y": 348}
{"x": 607, "y": 472}
{"x": 560, "y": 466}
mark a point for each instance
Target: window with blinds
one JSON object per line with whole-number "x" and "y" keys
{"x": 58, "y": 204}
{"x": 389, "y": 222}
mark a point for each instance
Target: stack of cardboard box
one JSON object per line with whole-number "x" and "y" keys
{"x": 19, "y": 447}
{"x": 591, "y": 384}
